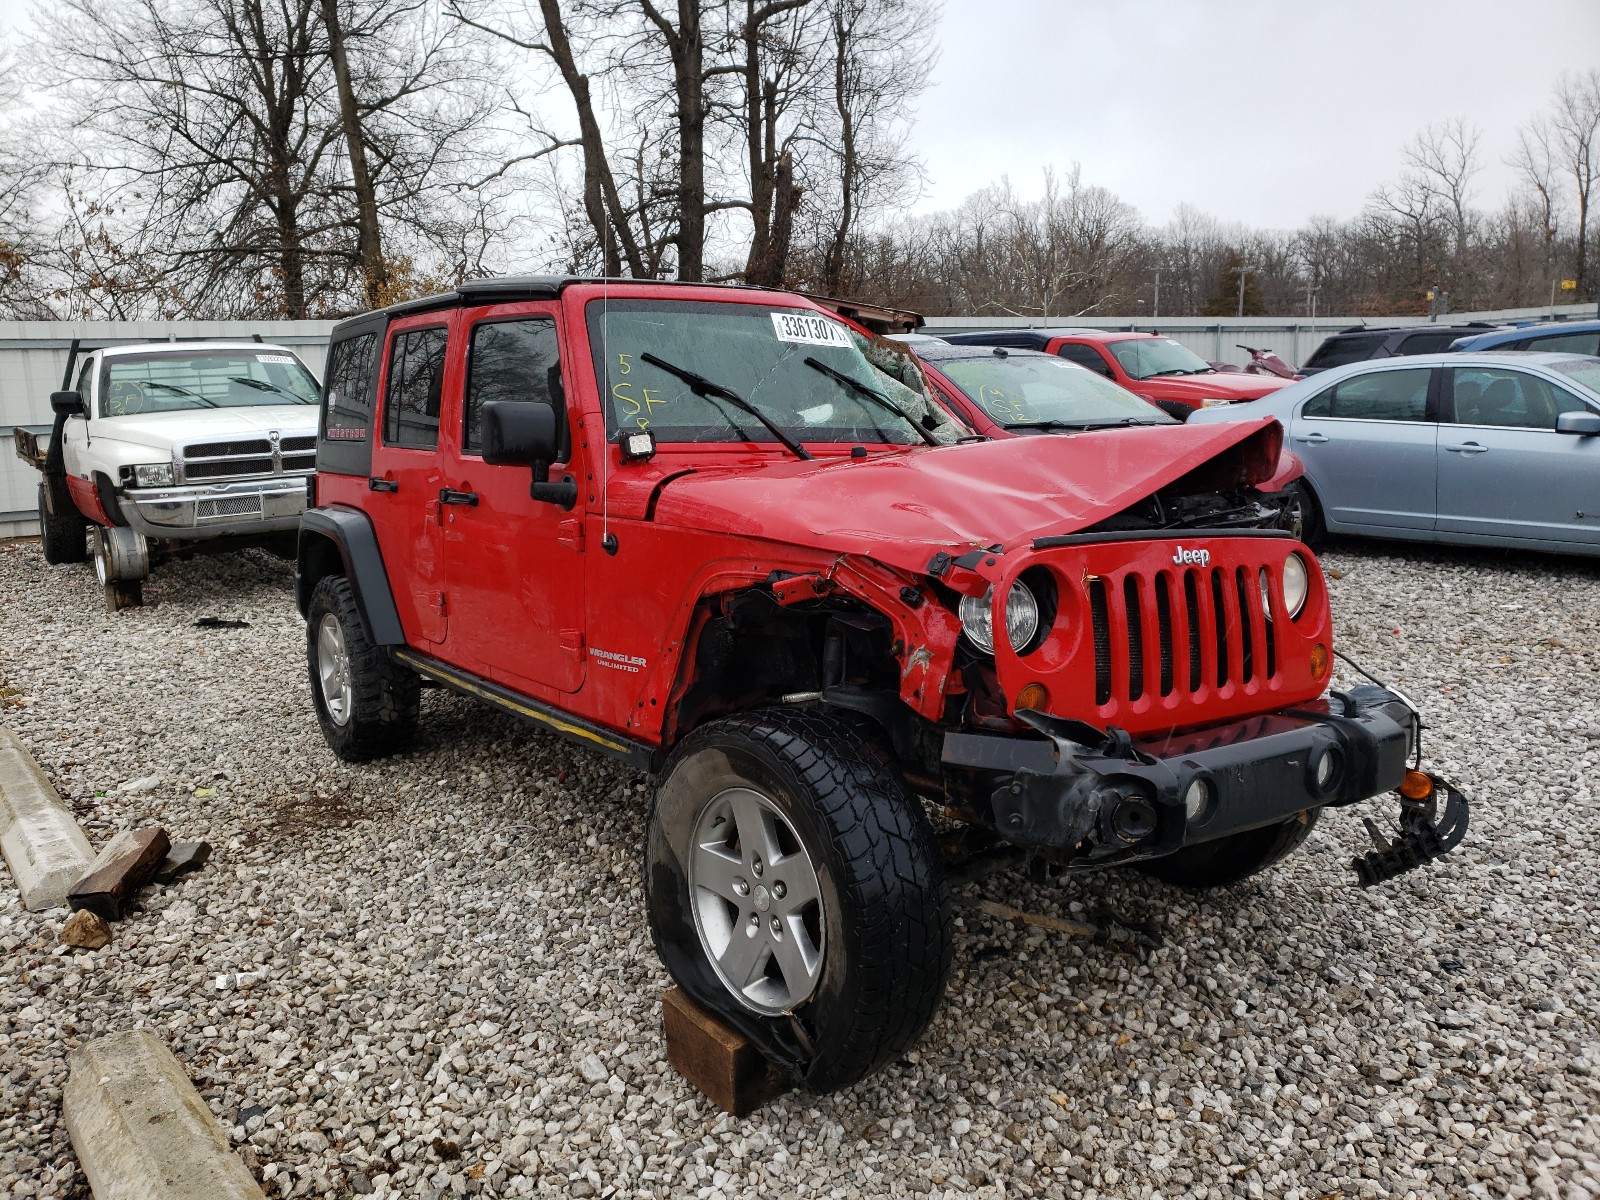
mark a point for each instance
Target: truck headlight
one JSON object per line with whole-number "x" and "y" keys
{"x": 1296, "y": 584}
{"x": 1022, "y": 618}
{"x": 153, "y": 475}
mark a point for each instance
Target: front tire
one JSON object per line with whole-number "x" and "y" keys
{"x": 1302, "y": 516}
{"x": 62, "y": 536}
{"x": 366, "y": 702}
{"x": 1233, "y": 858}
{"x": 794, "y": 889}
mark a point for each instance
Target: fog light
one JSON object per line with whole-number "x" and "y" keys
{"x": 1325, "y": 771}
{"x": 1134, "y": 819}
{"x": 1416, "y": 786}
{"x": 1319, "y": 661}
{"x": 1033, "y": 696}
{"x": 1197, "y": 801}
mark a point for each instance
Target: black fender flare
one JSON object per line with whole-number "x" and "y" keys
{"x": 352, "y": 534}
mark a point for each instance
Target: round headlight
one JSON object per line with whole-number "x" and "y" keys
{"x": 1022, "y": 618}
{"x": 1296, "y": 584}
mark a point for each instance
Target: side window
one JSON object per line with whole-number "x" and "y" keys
{"x": 1509, "y": 399}
{"x": 85, "y": 384}
{"x": 1566, "y": 343}
{"x": 1320, "y": 405}
{"x": 415, "y": 387}
{"x": 510, "y": 360}
{"x": 1383, "y": 396}
{"x": 1085, "y": 356}
{"x": 347, "y": 395}
{"x": 1427, "y": 343}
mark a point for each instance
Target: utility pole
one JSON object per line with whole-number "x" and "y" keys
{"x": 1155, "y": 305}
{"x": 1241, "y": 286}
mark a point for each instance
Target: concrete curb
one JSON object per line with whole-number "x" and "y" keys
{"x": 43, "y": 846}
{"x": 141, "y": 1131}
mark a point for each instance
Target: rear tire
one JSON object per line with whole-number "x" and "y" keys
{"x": 366, "y": 702}
{"x": 838, "y": 941}
{"x": 62, "y": 536}
{"x": 1235, "y": 857}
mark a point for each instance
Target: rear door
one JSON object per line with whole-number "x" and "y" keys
{"x": 1504, "y": 472}
{"x": 406, "y": 474}
{"x": 515, "y": 564}
{"x": 1368, "y": 443}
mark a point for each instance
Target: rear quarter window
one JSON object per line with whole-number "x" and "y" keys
{"x": 1337, "y": 351}
{"x": 345, "y": 446}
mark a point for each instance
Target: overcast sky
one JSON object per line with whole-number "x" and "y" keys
{"x": 1263, "y": 112}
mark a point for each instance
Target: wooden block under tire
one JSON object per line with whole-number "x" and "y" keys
{"x": 720, "y": 1062}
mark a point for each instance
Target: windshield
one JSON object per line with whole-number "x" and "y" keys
{"x": 1026, "y": 390}
{"x": 758, "y": 353}
{"x": 1585, "y": 370}
{"x": 1144, "y": 358}
{"x": 166, "y": 382}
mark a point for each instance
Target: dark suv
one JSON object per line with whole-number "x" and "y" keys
{"x": 720, "y": 534}
{"x": 1361, "y": 342}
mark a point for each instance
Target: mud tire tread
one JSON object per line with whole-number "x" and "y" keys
{"x": 385, "y": 696}
{"x": 62, "y": 536}
{"x": 1234, "y": 858}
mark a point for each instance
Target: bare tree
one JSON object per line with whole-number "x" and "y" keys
{"x": 1535, "y": 161}
{"x": 1575, "y": 126}
{"x": 1443, "y": 160}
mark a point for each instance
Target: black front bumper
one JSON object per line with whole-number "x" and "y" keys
{"x": 1083, "y": 795}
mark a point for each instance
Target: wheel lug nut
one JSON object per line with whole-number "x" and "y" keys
{"x": 779, "y": 891}
{"x": 741, "y": 886}
{"x": 776, "y": 927}
{"x": 755, "y": 867}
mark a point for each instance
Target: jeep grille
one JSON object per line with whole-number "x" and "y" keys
{"x": 1178, "y": 623}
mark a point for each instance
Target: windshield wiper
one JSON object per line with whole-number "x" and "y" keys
{"x": 701, "y": 386}
{"x": 1084, "y": 426}
{"x": 1047, "y": 425}
{"x": 170, "y": 387}
{"x": 867, "y": 393}
{"x": 262, "y": 385}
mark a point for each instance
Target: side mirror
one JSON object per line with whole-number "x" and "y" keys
{"x": 517, "y": 434}
{"x": 68, "y": 404}
{"x": 1583, "y": 424}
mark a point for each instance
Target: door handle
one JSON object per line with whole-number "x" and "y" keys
{"x": 374, "y": 484}
{"x": 1467, "y": 448}
{"x": 451, "y": 496}
{"x": 1316, "y": 439}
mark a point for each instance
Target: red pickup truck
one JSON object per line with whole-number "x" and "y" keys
{"x": 1163, "y": 371}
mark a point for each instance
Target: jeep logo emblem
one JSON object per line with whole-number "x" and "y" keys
{"x": 1184, "y": 557}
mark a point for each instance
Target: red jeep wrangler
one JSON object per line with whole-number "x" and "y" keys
{"x": 697, "y": 528}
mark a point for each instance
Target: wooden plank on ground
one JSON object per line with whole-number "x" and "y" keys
{"x": 720, "y": 1062}
{"x": 126, "y": 863}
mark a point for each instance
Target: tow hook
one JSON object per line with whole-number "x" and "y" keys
{"x": 1424, "y": 835}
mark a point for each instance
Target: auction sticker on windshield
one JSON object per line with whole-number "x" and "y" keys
{"x": 812, "y": 331}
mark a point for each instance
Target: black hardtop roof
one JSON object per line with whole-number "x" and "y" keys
{"x": 1428, "y": 328}
{"x": 508, "y": 289}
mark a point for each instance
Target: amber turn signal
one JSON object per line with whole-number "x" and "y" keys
{"x": 1416, "y": 786}
{"x": 1034, "y": 696}
{"x": 1319, "y": 661}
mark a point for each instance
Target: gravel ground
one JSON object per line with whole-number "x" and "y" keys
{"x": 432, "y": 976}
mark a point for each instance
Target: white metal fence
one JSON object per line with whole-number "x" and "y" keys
{"x": 33, "y": 355}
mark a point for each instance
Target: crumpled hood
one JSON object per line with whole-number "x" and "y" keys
{"x": 902, "y": 507}
{"x": 164, "y": 430}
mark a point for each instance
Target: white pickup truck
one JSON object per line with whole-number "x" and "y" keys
{"x": 168, "y": 444}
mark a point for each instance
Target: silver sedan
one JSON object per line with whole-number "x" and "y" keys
{"x": 1479, "y": 449}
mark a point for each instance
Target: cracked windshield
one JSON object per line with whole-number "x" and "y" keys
{"x": 154, "y": 383}
{"x": 709, "y": 372}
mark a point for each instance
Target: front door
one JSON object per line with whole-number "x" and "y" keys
{"x": 514, "y": 564}
{"x": 1368, "y": 445}
{"x": 1505, "y": 472}
{"x": 403, "y": 500}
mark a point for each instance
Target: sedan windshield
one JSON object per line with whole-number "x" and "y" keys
{"x": 801, "y": 370}
{"x": 1145, "y": 358}
{"x": 163, "y": 382}
{"x": 1585, "y": 370}
{"x": 1039, "y": 392}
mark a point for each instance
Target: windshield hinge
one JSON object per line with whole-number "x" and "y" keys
{"x": 570, "y": 534}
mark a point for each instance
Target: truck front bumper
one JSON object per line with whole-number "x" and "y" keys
{"x": 249, "y": 506}
{"x": 1087, "y": 796}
